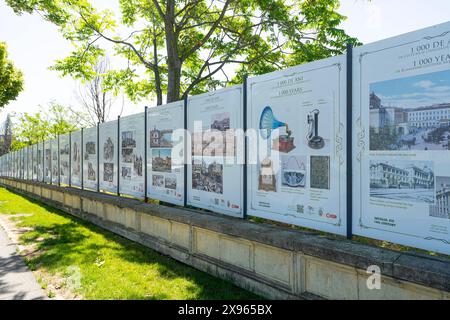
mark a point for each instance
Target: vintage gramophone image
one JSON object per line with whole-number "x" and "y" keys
{"x": 314, "y": 140}
{"x": 268, "y": 123}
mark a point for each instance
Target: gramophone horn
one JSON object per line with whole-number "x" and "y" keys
{"x": 268, "y": 122}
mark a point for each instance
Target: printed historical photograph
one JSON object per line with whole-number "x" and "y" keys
{"x": 138, "y": 165}
{"x": 127, "y": 155}
{"x": 64, "y": 169}
{"x": 320, "y": 172}
{"x": 90, "y": 147}
{"x": 411, "y": 113}
{"x": 402, "y": 180}
{"x": 220, "y": 121}
{"x": 108, "y": 150}
{"x": 91, "y": 172}
{"x": 126, "y": 173}
{"x": 207, "y": 176}
{"x": 161, "y": 138}
{"x": 128, "y": 140}
{"x": 293, "y": 171}
{"x": 171, "y": 182}
{"x": 65, "y": 150}
{"x": 108, "y": 172}
{"x": 158, "y": 181}
{"x": 214, "y": 143}
{"x": 441, "y": 208}
{"x": 267, "y": 178}
{"x": 162, "y": 160}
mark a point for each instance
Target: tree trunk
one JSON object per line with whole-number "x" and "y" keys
{"x": 173, "y": 58}
{"x": 158, "y": 87}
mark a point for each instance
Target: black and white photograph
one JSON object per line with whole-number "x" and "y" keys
{"x": 207, "y": 175}
{"x": 128, "y": 140}
{"x": 64, "y": 168}
{"x": 411, "y": 113}
{"x": 138, "y": 165}
{"x": 320, "y": 172}
{"x": 441, "y": 208}
{"x": 293, "y": 171}
{"x": 402, "y": 180}
{"x": 220, "y": 121}
{"x": 158, "y": 181}
{"x": 65, "y": 149}
{"x": 161, "y": 138}
{"x": 171, "y": 182}
{"x": 127, "y": 155}
{"x": 91, "y": 172}
{"x": 108, "y": 150}
{"x": 90, "y": 147}
{"x": 162, "y": 160}
{"x": 108, "y": 172}
{"x": 126, "y": 173}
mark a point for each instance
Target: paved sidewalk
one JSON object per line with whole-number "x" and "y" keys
{"x": 17, "y": 282}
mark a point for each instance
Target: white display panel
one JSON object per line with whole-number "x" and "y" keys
{"x": 214, "y": 172}
{"x": 27, "y": 163}
{"x": 108, "y": 156}
{"x": 55, "y": 161}
{"x": 64, "y": 159}
{"x": 40, "y": 161}
{"x": 90, "y": 158}
{"x": 132, "y": 145}
{"x": 401, "y": 113}
{"x": 47, "y": 161}
{"x": 75, "y": 161}
{"x": 165, "y": 134}
{"x": 34, "y": 161}
{"x": 297, "y": 155}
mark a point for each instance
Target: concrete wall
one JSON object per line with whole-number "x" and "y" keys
{"x": 271, "y": 261}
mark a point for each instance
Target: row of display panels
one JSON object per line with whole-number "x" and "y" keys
{"x": 295, "y": 155}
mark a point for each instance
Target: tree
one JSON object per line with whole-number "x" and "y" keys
{"x": 6, "y": 136}
{"x": 93, "y": 96}
{"x": 11, "y": 79}
{"x": 180, "y": 47}
{"x": 33, "y": 128}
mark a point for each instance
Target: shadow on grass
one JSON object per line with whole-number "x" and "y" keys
{"x": 60, "y": 246}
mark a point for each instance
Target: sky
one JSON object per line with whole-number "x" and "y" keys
{"x": 34, "y": 45}
{"x": 412, "y": 92}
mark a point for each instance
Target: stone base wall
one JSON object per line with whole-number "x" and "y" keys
{"x": 274, "y": 262}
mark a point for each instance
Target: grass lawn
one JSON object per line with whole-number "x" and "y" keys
{"x": 84, "y": 261}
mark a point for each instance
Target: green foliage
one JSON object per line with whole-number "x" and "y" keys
{"x": 180, "y": 47}
{"x": 92, "y": 263}
{"x": 384, "y": 138}
{"x": 44, "y": 125}
{"x": 11, "y": 79}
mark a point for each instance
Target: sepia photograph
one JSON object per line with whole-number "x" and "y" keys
{"x": 403, "y": 180}
{"x": 91, "y": 172}
{"x": 207, "y": 175}
{"x": 127, "y": 155}
{"x": 162, "y": 160}
{"x": 138, "y": 165}
{"x": 411, "y": 113}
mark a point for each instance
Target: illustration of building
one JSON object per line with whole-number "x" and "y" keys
{"x": 442, "y": 207}
{"x": 383, "y": 175}
{"x": 429, "y": 117}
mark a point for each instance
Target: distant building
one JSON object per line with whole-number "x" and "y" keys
{"x": 391, "y": 117}
{"x": 442, "y": 207}
{"x": 431, "y": 116}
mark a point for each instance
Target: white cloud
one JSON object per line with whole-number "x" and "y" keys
{"x": 425, "y": 84}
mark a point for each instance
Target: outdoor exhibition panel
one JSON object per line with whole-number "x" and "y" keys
{"x": 401, "y": 138}
{"x": 90, "y": 158}
{"x": 22, "y": 163}
{"x": 297, "y": 155}
{"x": 64, "y": 159}
{"x": 132, "y": 146}
{"x": 108, "y": 156}
{"x": 214, "y": 174}
{"x": 40, "y": 161}
{"x": 29, "y": 154}
{"x": 165, "y": 153}
{"x": 54, "y": 161}
{"x": 75, "y": 159}
{"x": 47, "y": 161}
{"x": 34, "y": 161}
